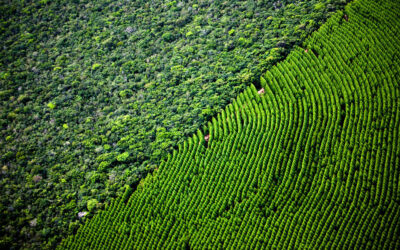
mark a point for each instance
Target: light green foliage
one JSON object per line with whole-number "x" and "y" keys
{"x": 51, "y": 105}
{"x": 123, "y": 157}
{"x": 103, "y": 165}
{"x": 319, "y": 6}
{"x": 96, "y": 66}
{"x": 125, "y": 93}
{"x": 189, "y": 34}
{"x": 313, "y": 162}
{"x": 244, "y": 42}
{"x": 91, "y": 204}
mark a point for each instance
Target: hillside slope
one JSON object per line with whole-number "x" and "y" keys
{"x": 311, "y": 162}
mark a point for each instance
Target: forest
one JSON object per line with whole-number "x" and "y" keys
{"x": 105, "y": 107}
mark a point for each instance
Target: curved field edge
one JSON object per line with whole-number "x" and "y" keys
{"x": 311, "y": 162}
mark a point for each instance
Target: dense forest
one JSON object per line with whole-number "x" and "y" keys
{"x": 309, "y": 160}
{"x": 94, "y": 94}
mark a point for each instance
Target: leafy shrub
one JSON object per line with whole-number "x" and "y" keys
{"x": 91, "y": 204}
{"x": 123, "y": 157}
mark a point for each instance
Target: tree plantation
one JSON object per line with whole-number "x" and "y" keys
{"x": 311, "y": 161}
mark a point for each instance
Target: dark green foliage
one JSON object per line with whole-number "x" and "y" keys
{"x": 313, "y": 162}
{"x": 95, "y": 93}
